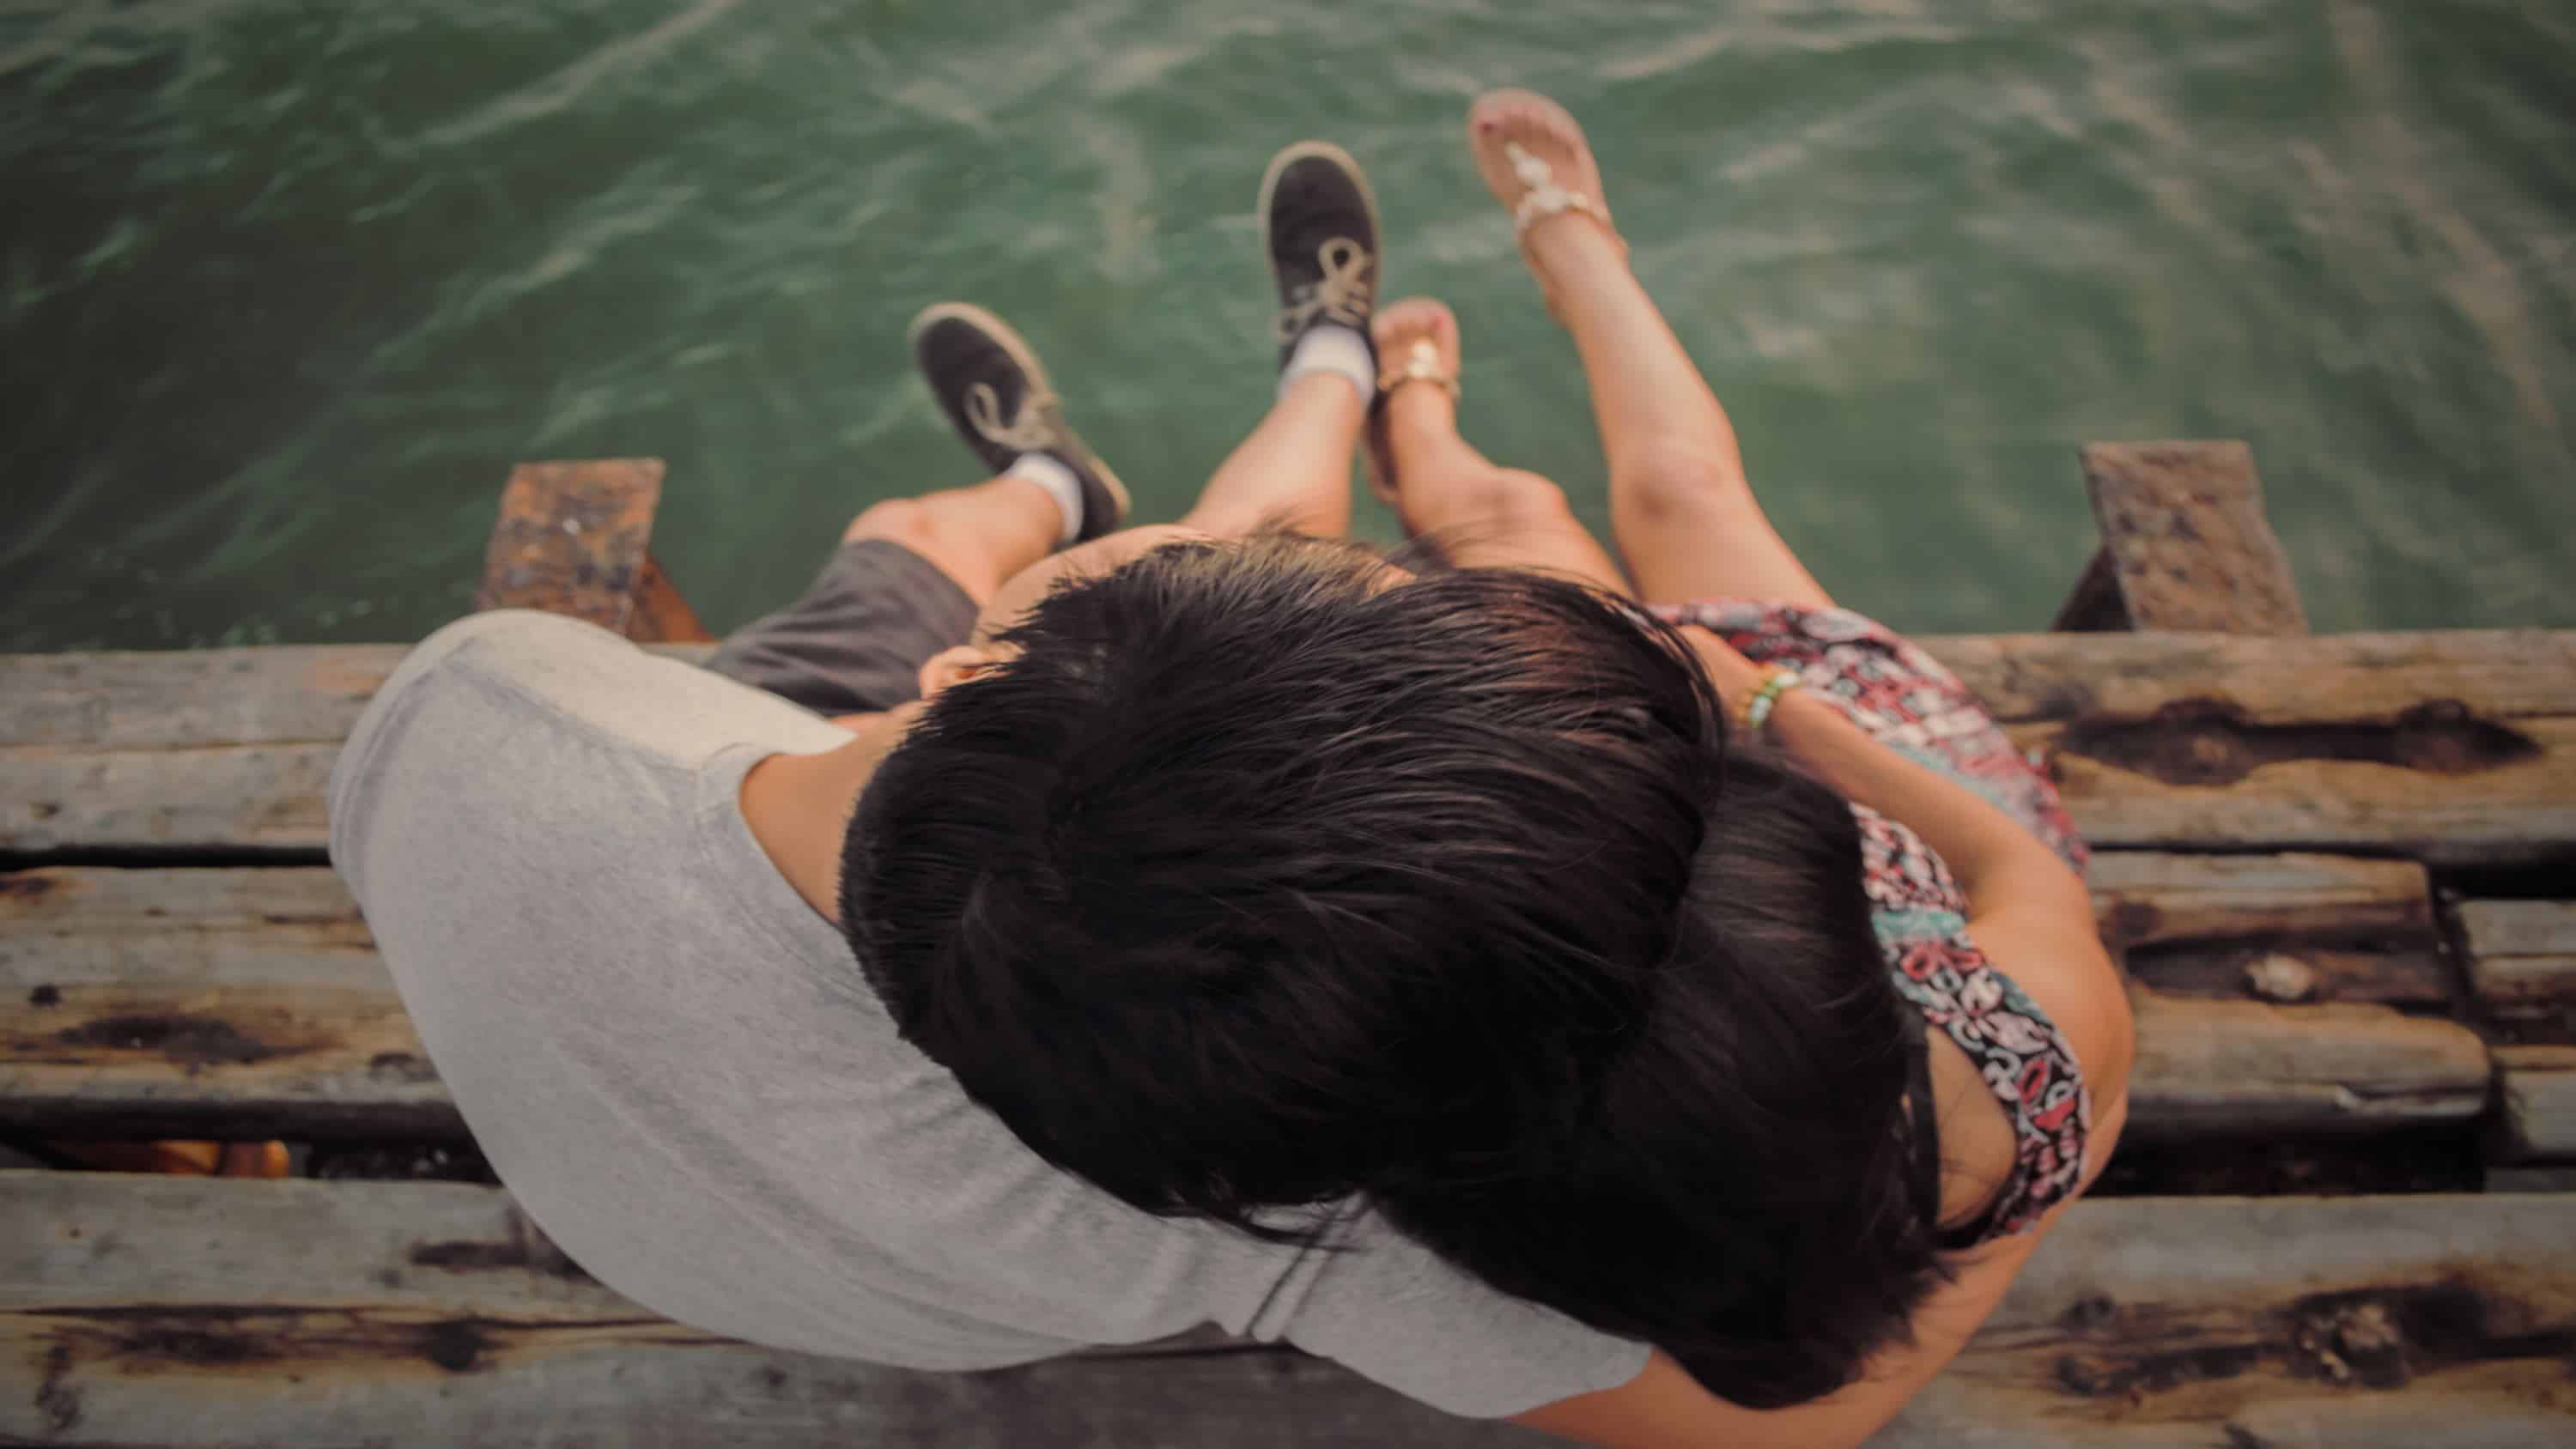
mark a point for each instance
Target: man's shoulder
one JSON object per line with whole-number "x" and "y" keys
{"x": 512, "y": 646}
{"x": 519, "y": 668}
{"x": 529, "y": 715}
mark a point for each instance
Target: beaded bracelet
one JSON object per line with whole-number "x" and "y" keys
{"x": 1757, "y": 710}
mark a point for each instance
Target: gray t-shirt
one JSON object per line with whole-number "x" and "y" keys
{"x": 676, "y": 1066}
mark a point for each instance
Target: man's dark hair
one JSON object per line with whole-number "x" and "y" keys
{"x": 1253, "y": 882}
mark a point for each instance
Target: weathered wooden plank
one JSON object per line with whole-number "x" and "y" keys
{"x": 272, "y": 797}
{"x": 2522, "y": 954}
{"x": 2152, "y": 898}
{"x": 2374, "y": 742}
{"x": 239, "y": 1003}
{"x": 2245, "y": 1067}
{"x": 2183, "y": 525}
{"x": 207, "y": 797}
{"x": 2185, "y": 789}
{"x": 303, "y": 693}
{"x": 195, "y": 1312}
{"x": 250, "y": 1002}
{"x": 2297, "y": 927}
{"x": 571, "y": 539}
{"x": 2503, "y": 674}
{"x": 2539, "y": 1120}
{"x": 184, "y": 698}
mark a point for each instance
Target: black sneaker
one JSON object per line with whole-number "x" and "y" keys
{"x": 993, "y": 388}
{"x": 1321, "y": 223}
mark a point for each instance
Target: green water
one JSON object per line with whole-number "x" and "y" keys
{"x": 287, "y": 287}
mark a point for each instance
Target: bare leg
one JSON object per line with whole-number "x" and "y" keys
{"x": 1483, "y": 515}
{"x": 1293, "y": 471}
{"x": 978, "y": 536}
{"x": 1684, "y": 514}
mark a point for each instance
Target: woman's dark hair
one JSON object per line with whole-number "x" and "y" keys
{"x": 1253, "y": 882}
{"x": 1737, "y": 1188}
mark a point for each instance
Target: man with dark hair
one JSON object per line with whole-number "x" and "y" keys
{"x": 1233, "y": 783}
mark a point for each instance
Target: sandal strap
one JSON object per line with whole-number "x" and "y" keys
{"x": 1545, "y": 198}
{"x": 1421, "y": 364}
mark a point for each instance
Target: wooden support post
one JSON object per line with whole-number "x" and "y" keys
{"x": 2539, "y": 1122}
{"x": 2185, "y": 545}
{"x": 2522, "y": 955}
{"x": 572, "y": 539}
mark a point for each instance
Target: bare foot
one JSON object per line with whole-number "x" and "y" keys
{"x": 1418, "y": 350}
{"x": 1532, "y": 154}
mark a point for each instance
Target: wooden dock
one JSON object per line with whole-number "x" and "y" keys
{"x": 2341, "y": 871}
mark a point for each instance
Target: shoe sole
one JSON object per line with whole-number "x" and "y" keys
{"x": 1290, "y": 156}
{"x": 1018, "y": 350}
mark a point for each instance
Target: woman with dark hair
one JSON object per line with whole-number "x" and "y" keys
{"x": 1889, "y": 1047}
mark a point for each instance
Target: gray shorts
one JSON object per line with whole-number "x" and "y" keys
{"x": 856, "y": 641}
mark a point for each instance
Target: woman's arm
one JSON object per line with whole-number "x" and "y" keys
{"x": 2027, "y": 908}
{"x": 1997, "y": 862}
{"x": 1663, "y": 1407}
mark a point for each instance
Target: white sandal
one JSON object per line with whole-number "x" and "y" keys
{"x": 1421, "y": 364}
{"x": 1545, "y": 198}
{"x": 1540, "y": 195}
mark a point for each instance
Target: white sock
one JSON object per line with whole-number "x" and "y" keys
{"x": 1060, "y": 484}
{"x": 1339, "y": 350}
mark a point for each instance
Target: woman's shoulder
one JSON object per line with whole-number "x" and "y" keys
{"x": 1995, "y": 1034}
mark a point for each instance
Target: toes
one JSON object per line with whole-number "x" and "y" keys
{"x": 1416, "y": 318}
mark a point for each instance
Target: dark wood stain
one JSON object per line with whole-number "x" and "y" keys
{"x": 2378, "y": 1338}
{"x": 455, "y": 1344}
{"x": 2213, "y": 742}
{"x": 2089, "y": 1312}
{"x": 2114, "y": 1377}
{"x": 527, "y": 1249}
{"x": 2388, "y": 1335}
{"x": 27, "y": 886}
{"x": 400, "y": 1067}
{"x": 179, "y": 1036}
{"x": 262, "y": 1338}
{"x": 457, "y": 1257}
{"x": 59, "y": 1402}
{"x": 45, "y": 995}
{"x": 2133, "y": 921}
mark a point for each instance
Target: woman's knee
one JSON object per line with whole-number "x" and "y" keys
{"x": 1508, "y": 498}
{"x": 1666, "y": 483}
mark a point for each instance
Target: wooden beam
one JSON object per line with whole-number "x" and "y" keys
{"x": 2539, "y": 1122}
{"x": 2244, "y": 1067}
{"x": 2522, "y": 954}
{"x": 285, "y": 694}
{"x": 2188, "y": 790}
{"x": 249, "y": 1002}
{"x": 2453, "y": 745}
{"x": 194, "y": 1312}
{"x": 2274, "y": 927}
{"x": 236, "y": 1003}
{"x": 2504, "y": 675}
{"x": 2185, "y": 540}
